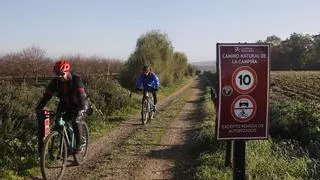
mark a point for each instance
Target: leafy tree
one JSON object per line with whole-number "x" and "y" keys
{"x": 155, "y": 49}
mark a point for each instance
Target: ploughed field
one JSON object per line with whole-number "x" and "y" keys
{"x": 300, "y": 85}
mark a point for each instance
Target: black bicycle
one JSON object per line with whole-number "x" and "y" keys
{"x": 147, "y": 111}
{"x": 59, "y": 145}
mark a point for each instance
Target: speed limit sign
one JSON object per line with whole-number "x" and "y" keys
{"x": 244, "y": 79}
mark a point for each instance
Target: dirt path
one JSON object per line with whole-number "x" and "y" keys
{"x": 173, "y": 158}
{"x": 160, "y": 150}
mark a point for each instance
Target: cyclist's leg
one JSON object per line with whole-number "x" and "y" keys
{"x": 155, "y": 100}
{"x": 77, "y": 126}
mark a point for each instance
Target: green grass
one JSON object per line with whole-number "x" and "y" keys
{"x": 265, "y": 159}
{"x": 166, "y": 91}
{"x": 211, "y": 152}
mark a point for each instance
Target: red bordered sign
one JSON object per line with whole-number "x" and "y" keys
{"x": 243, "y": 108}
{"x": 244, "y": 79}
{"x": 243, "y": 105}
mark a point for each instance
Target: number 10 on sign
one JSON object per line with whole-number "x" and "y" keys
{"x": 244, "y": 79}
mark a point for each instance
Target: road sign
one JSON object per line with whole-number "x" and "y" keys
{"x": 243, "y": 72}
{"x": 244, "y": 79}
{"x": 243, "y": 108}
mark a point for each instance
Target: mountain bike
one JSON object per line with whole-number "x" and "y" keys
{"x": 147, "y": 111}
{"x": 59, "y": 145}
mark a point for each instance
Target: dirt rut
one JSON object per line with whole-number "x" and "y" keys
{"x": 110, "y": 158}
{"x": 173, "y": 158}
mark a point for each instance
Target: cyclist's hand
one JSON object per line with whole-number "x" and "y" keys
{"x": 40, "y": 112}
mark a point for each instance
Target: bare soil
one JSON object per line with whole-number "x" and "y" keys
{"x": 159, "y": 150}
{"x": 174, "y": 157}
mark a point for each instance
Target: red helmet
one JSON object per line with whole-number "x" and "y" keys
{"x": 62, "y": 66}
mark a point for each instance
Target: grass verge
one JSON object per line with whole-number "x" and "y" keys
{"x": 264, "y": 159}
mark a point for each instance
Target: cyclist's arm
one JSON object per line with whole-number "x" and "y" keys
{"x": 50, "y": 90}
{"x": 82, "y": 95}
{"x": 156, "y": 81}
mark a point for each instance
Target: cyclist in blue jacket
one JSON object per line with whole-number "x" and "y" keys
{"x": 150, "y": 82}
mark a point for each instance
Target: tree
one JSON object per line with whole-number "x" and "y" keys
{"x": 298, "y": 52}
{"x": 180, "y": 65}
{"x": 301, "y": 54}
{"x": 273, "y": 40}
{"x": 316, "y": 47}
{"x": 152, "y": 48}
{"x": 31, "y": 61}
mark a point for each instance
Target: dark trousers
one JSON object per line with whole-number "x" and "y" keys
{"x": 76, "y": 125}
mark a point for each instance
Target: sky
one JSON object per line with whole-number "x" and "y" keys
{"x": 110, "y": 28}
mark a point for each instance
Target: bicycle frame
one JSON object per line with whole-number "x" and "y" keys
{"x": 147, "y": 104}
{"x": 46, "y": 124}
{"x": 62, "y": 127}
{"x": 55, "y": 152}
{"x": 67, "y": 132}
{"x": 149, "y": 97}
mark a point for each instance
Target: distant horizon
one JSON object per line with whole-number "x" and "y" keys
{"x": 93, "y": 55}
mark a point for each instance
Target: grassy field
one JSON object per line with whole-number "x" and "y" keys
{"x": 292, "y": 150}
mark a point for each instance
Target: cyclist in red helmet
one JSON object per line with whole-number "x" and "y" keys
{"x": 73, "y": 100}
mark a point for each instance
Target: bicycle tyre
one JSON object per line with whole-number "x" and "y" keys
{"x": 145, "y": 112}
{"x": 80, "y": 158}
{"x": 150, "y": 109}
{"x": 49, "y": 147}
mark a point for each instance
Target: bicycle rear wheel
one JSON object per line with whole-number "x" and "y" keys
{"x": 145, "y": 112}
{"x": 79, "y": 158}
{"x": 53, "y": 158}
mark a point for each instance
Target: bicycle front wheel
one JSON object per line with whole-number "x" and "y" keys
{"x": 79, "y": 158}
{"x": 145, "y": 112}
{"x": 151, "y": 108}
{"x": 53, "y": 156}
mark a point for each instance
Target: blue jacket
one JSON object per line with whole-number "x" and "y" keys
{"x": 149, "y": 81}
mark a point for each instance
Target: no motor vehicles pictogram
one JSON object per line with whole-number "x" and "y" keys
{"x": 243, "y": 108}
